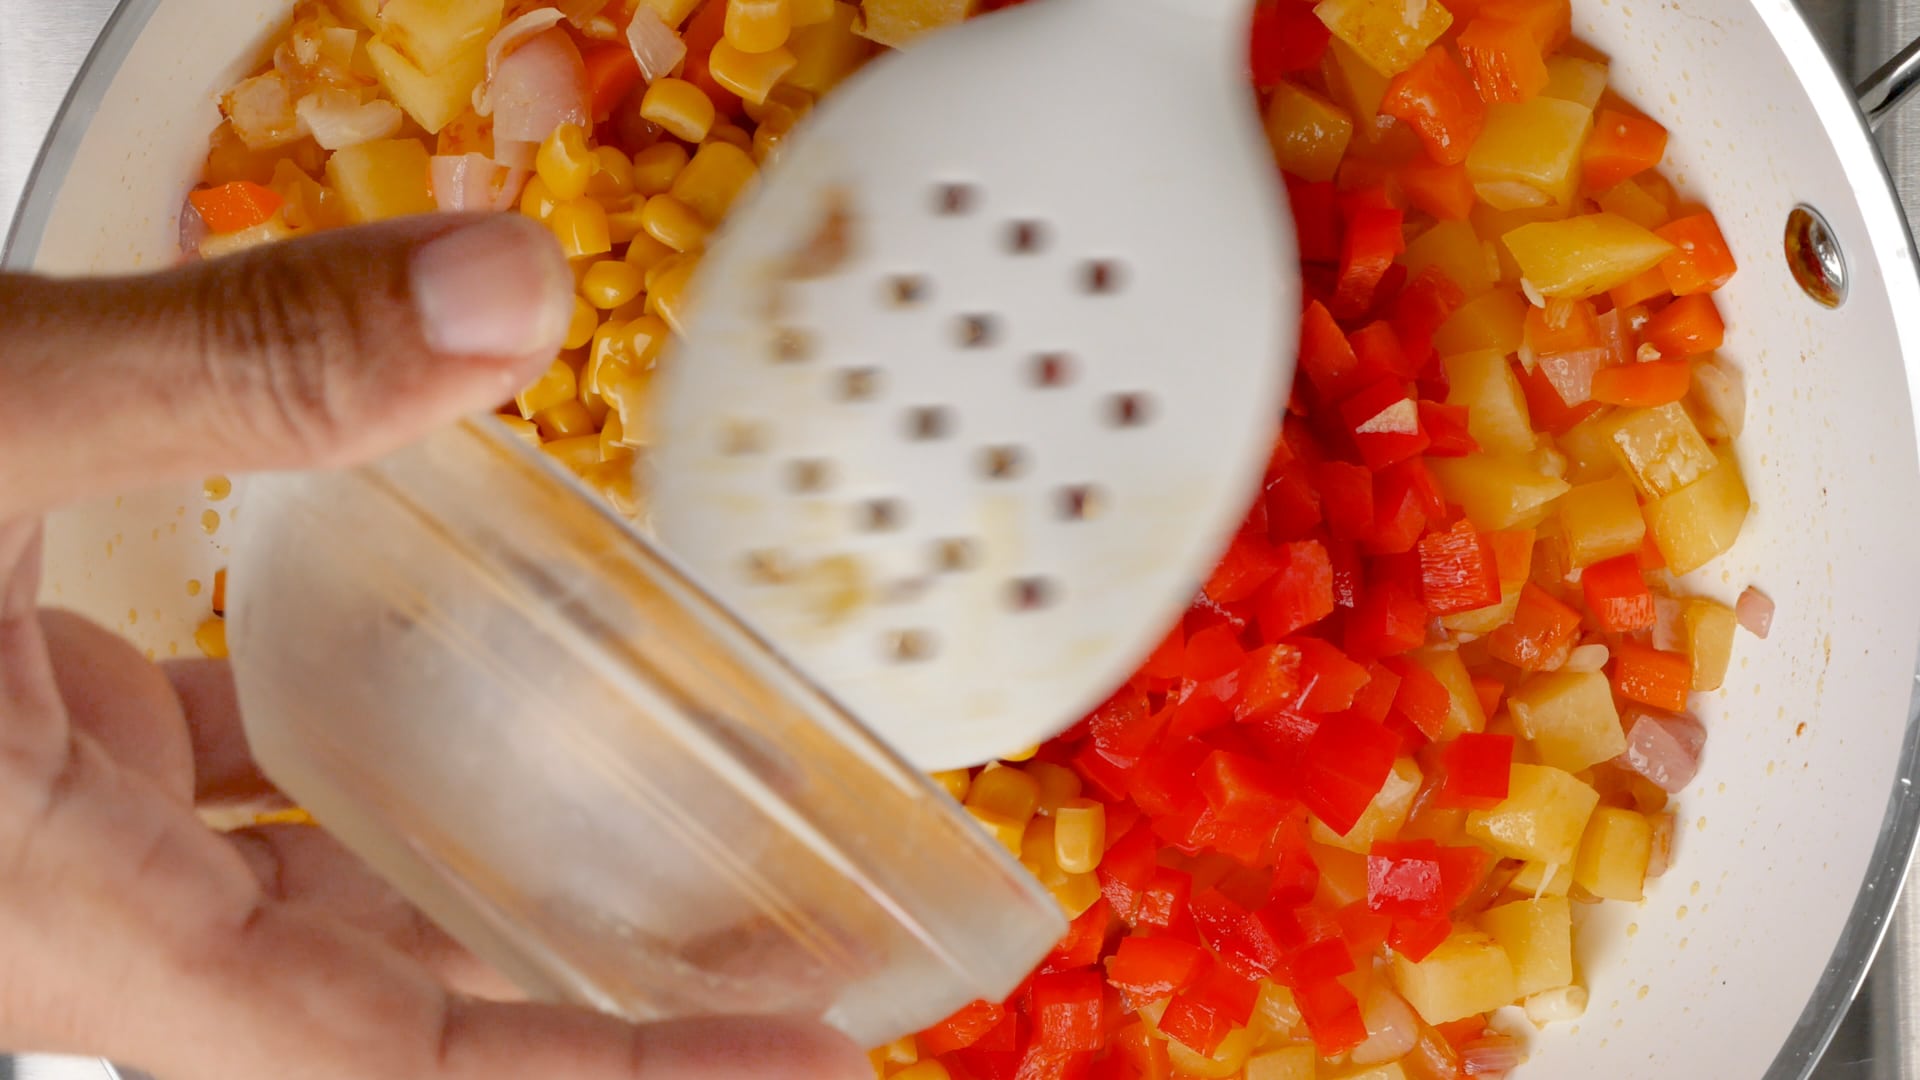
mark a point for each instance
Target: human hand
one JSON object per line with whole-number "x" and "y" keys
{"x": 130, "y": 930}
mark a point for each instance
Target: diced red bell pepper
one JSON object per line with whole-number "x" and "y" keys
{"x": 1269, "y": 681}
{"x": 1211, "y": 653}
{"x": 1163, "y": 903}
{"x": 1384, "y": 423}
{"x": 1067, "y": 1011}
{"x": 1326, "y": 357}
{"x": 1547, "y": 409}
{"x": 1436, "y": 97}
{"x": 1652, "y": 677}
{"x": 1145, "y": 1051}
{"x": 1444, "y": 191}
{"x": 1386, "y": 622}
{"x": 1150, "y": 968}
{"x": 1475, "y": 769}
{"x": 1446, "y": 426}
{"x": 1376, "y": 348}
{"x": 1421, "y": 699}
{"x": 1301, "y": 592}
{"x": 1373, "y": 237}
{"x": 1462, "y": 869}
{"x": 1489, "y": 690}
{"x": 1687, "y": 327}
{"x": 1701, "y": 261}
{"x": 1332, "y": 1015}
{"x": 1293, "y": 506}
{"x": 1401, "y": 504}
{"x": 1542, "y": 627}
{"x": 1126, "y": 870}
{"x": 1328, "y": 679}
{"x": 1347, "y": 572}
{"x": 1416, "y": 938}
{"x": 1346, "y": 498}
{"x": 1643, "y": 386}
{"x": 1504, "y": 59}
{"x": 1316, "y": 223}
{"x": 964, "y": 1028}
{"x": 612, "y": 71}
{"x": 1427, "y": 302}
{"x": 1163, "y": 781}
{"x": 1617, "y": 595}
{"x": 1193, "y": 1025}
{"x": 1243, "y": 943}
{"x": 1249, "y": 561}
{"x": 1457, "y": 570}
{"x": 1403, "y": 880}
{"x": 235, "y": 205}
{"x": 702, "y": 32}
{"x": 1347, "y": 761}
{"x": 1374, "y": 701}
{"x": 1040, "y": 1063}
{"x": 1124, "y": 725}
{"x": 1284, "y": 38}
{"x": 1622, "y": 144}
{"x": 1168, "y": 656}
{"x": 1108, "y": 778}
{"x": 1229, "y": 995}
{"x": 1240, "y": 788}
{"x": 1086, "y": 936}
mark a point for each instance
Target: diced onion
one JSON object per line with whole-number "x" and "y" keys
{"x": 1617, "y": 333}
{"x": 1493, "y": 1055}
{"x": 1588, "y": 658}
{"x": 515, "y": 155}
{"x": 1392, "y": 1029}
{"x": 1571, "y": 373}
{"x": 193, "y": 227}
{"x": 505, "y": 40}
{"x": 261, "y": 112}
{"x": 474, "y": 182}
{"x": 1400, "y": 418}
{"x": 654, "y": 44}
{"x": 1718, "y": 386}
{"x": 1669, "y": 624}
{"x": 338, "y": 119}
{"x": 1663, "y": 747}
{"x": 1754, "y": 609}
{"x": 540, "y": 85}
{"x": 1555, "y": 1006}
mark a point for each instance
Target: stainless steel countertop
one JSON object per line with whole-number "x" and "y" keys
{"x": 42, "y": 43}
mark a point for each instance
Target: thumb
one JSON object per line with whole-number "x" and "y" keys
{"x": 317, "y": 352}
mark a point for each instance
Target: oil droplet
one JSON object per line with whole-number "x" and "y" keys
{"x": 1693, "y": 889}
{"x": 173, "y": 648}
{"x": 210, "y": 521}
{"x": 1633, "y": 928}
{"x": 193, "y": 586}
{"x": 1701, "y": 825}
{"x": 1681, "y": 912}
{"x": 133, "y": 615}
{"x": 156, "y": 532}
{"x": 216, "y": 488}
{"x": 1643, "y": 992}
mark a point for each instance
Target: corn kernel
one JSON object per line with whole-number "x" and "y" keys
{"x": 658, "y": 271}
{"x": 1057, "y": 784}
{"x": 609, "y": 348}
{"x": 758, "y": 26}
{"x": 792, "y": 98}
{"x": 930, "y": 1069}
{"x": 1080, "y": 835}
{"x": 775, "y": 126}
{"x": 581, "y": 226}
{"x": 610, "y": 283}
{"x": 674, "y": 223}
{"x": 809, "y": 12}
{"x": 668, "y": 292}
{"x": 954, "y": 782}
{"x": 1024, "y": 754}
{"x": 732, "y": 135}
{"x": 211, "y": 637}
{"x": 614, "y": 481}
{"x": 623, "y": 219}
{"x": 714, "y": 179}
{"x": 631, "y": 395}
{"x": 613, "y": 179}
{"x": 655, "y": 168}
{"x": 596, "y": 407}
{"x": 904, "y": 1050}
{"x": 748, "y": 74}
{"x": 522, "y": 429}
{"x": 565, "y": 163}
{"x": 576, "y": 453}
{"x": 1037, "y": 847}
{"x": 612, "y": 437}
{"x": 672, "y": 12}
{"x": 1009, "y": 793}
{"x": 1078, "y": 893}
{"x": 642, "y": 340}
{"x": 557, "y": 384}
{"x": 682, "y": 108}
{"x": 1008, "y": 833}
{"x": 580, "y": 328}
{"x": 536, "y": 200}
{"x": 565, "y": 420}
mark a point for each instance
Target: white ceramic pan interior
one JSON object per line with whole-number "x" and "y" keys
{"x": 1797, "y": 831}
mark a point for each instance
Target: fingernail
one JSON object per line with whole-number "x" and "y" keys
{"x": 498, "y": 287}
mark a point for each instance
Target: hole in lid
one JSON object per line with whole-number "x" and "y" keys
{"x": 954, "y": 199}
{"x": 767, "y": 567}
{"x": 1052, "y": 369}
{"x": 929, "y": 422}
{"x": 909, "y": 645}
{"x": 955, "y": 553}
{"x": 881, "y": 515}
{"x": 1101, "y": 276}
{"x": 1081, "y": 502}
{"x": 976, "y": 331}
{"x": 1130, "y": 410}
{"x": 1003, "y": 462}
{"x": 742, "y": 437}
{"x": 1026, "y": 237}
{"x": 858, "y": 384}
{"x": 1029, "y": 593}
{"x": 906, "y": 290}
{"x": 810, "y": 475}
{"x": 791, "y": 345}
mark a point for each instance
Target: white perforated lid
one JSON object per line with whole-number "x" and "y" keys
{"x": 981, "y": 379}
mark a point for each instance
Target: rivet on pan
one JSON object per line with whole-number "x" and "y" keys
{"x": 953, "y": 199}
{"x": 881, "y": 515}
{"x": 1815, "y": 258}
{"x": 768, "y": 567}
{"x": 1002, "y": 462}
{"x": 1029, "y": 593}
{"x": 741, "y": 437}
{"x": 1052, "y": 370}
{"x": 859, "y": 384}
{"x": 810, "y": 476}
{"x": 955, "y": 554}
{"x": 1130, "y": 410}
{"x": 906, "y": 290}
{"x": 929, "y": 422}
{"x": 1026, "y": 237}
{"x": 909, "y": 645}
{"x": 791, "y": 346}
{"x": 1081, "y": 502}
{"x": 976, "y": 331}
{"x": 1101, "y": 276}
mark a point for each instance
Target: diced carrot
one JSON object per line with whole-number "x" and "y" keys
{"x": 1651, "y": 677}
{"x": 1701, "y": 261}
{"x": 1445, "y": 191}
{"x": 236, "y": 205}
{"x": 612, "y": 70}
{"x": 1687, "y": 327}
{"x": 1437, "y": 98}
{"x": 1504, "y": 59}
{"x": 1617, "y": 595}
{"x": 1622, "y": 144}
{"x": 1550, "y": 22}
{"x": 1639, "y": 289}
{"x": 1542, "y": 627}
{"x": 1643, "y": 386}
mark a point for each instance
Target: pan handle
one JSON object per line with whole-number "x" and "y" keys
{"x": 1886, "y": 88}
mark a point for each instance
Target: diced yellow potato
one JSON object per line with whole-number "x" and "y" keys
{"x": 1692, "y": 526}
{"x": 1630, "y": 200}
{"x": 1569, "y": 717}
{"x": 1458, "y": 251}
{"x": 827, "y": 52}
{"x": 1286, "y": 1063}
{"x": 431, "y": 33}
{"x": 1464, "y": 714}
{"x": 1391, "y": 1070}
{"x": 1309, "y": 134}
{"x": 1588, "y": 446}
{"x": 1497, "y": 416}
{"x": 383, "y": 179}
{"x": 1487, "y": 619}
{"x": 1225, "y": 1061}
{"x": 1529, "y": 153}
{"x": 1382, "y": 818}
{"x": 1570, "y": 78}
{"x": 1353, "y": 83}
{"x": 1538, "y": 938}
{"x": 1541, "y": 819}
{"x": 1498, "y": 491}
{"x": 1613, "y": 855}
{"x": 275, "y": 228}
{"x": 1661, "y": 448}
{"x": 1543, "y": 879}
{"x": 364, "y": 12}
{"x": 432, "y": 100}
{"x": 1601, "y": 520}
{"x": 1583, "y": 255}
{"x": 1493, "y": 321}
{"x": 1274, "y": 1010}
{"x": 895, "y": 23}
{"x": 1466, "y": 974}
{"x": 1488, "y": 221}
{"x": 1709, "y": 627}
{"x": 1388, "y": 34}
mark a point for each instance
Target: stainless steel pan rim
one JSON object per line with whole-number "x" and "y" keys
{"x": 1848, "y": 118}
